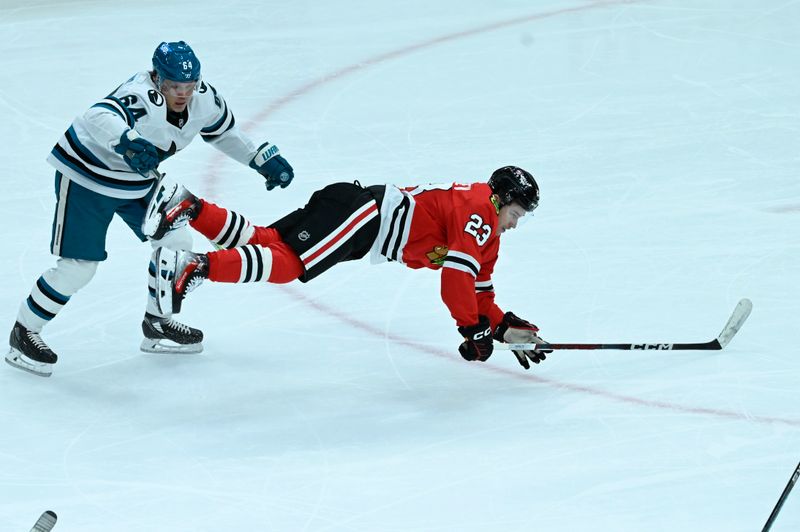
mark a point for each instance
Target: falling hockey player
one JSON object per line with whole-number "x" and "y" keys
{"x": 104, "y": 165}
{"x": 453, "y": 227}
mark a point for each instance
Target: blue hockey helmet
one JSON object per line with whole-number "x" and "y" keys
{"x": 175, "y": 61}
{"x": 512, "y": 183}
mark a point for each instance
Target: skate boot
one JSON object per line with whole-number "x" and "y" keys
{"x": 171, "y": 206}
{"x": 29, "y": 352}
{"x": 165, "y": 335}
{"x": 177, "y": 273}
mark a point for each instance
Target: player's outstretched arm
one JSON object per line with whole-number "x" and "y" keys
{"x": 269, "y": 162}
{"x": 515, "y": 330}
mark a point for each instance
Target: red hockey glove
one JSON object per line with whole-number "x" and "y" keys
{"x": 478, "y": 344}
{"x": 515, "y": 330}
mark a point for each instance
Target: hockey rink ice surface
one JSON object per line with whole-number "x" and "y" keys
{"x": 664, "y": 136}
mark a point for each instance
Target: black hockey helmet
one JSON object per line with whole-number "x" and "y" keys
{"x": 512, "y": 183}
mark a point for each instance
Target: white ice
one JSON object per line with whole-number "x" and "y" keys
{"x": 664, "y": 136}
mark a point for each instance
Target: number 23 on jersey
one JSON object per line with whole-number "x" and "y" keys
{"x": 478, "y": 229}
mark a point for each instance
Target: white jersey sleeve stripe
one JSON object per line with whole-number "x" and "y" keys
{"x": 484, "y": 286}
{"x": 459, "y": 265}
{"x": 463, "y": 260}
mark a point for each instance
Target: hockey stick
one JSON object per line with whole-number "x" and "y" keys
{"x": 46, "y": 522}
{"x": 784, "y": 495}
{"x": 735, "y": 322}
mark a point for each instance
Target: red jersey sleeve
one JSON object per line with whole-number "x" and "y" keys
{"x": 472, "y": 252}
{"x": 484, "y": 288}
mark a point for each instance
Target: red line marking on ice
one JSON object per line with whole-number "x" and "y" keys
{"x": 295, "y": 94}
{"x": 518, "y": 374}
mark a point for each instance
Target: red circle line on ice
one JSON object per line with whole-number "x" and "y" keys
{"x": 295, "y": 94}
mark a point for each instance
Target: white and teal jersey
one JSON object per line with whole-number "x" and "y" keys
{"x": 85, "y": 152}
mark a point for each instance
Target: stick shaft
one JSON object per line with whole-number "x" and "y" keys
{"x": 702, "y": 346}
{"x": 737, "y": 318}
{"x": 784, "y": 495}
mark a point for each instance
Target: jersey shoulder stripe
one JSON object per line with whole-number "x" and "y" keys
{"x": 115, "y": 104}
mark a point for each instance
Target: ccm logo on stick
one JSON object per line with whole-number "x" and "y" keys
{"x": 647, "y": 347}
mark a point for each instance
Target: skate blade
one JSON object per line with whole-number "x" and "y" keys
{"x": 20, "y": 361}
{"x": 155, "y": 346}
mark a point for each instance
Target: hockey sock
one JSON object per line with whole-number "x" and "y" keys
{"x": 53, "y": 290}
{"x": 276, "y": 263}
{"x": 225, "y": 228}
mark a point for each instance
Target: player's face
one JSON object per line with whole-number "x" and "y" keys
{"x": 509, "y": 216}
{"x": 177, "y": 94}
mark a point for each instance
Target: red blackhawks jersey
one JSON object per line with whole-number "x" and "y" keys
{"x": 451, "y": 227}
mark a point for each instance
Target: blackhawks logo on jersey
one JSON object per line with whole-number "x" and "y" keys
{"x": 437, "y": 255}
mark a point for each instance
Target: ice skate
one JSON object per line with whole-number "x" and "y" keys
{"x": 171, "y": 206}
{"x": 29, "y": 352}
{"x": 165, "y": 335}
{"x": 177, "y": 273}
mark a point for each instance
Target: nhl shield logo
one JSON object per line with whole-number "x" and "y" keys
{"x": 304, "y": 235}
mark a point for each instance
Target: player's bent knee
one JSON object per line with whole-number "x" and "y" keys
{"x": 70, "y": 275}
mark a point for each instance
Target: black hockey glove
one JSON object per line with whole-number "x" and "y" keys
{"x": 269, "y": 163}
{"x": 477, "y": 343}
{"x": 515, "y": 330}
{"x": 140, "y": 154}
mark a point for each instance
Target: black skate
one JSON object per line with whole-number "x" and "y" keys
{"x": 171, "y": 206}
{"x": 177, "y": 273}
{"x": 165, "y": 335}
{"x": 29, "y": 352}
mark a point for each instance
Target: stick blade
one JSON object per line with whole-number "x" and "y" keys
{"x": 735, "y": 322}
{"x": 46, "y": 522}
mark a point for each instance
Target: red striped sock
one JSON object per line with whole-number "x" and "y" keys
{"x": 210, "y": 220}
{"x": 227, "y": 265}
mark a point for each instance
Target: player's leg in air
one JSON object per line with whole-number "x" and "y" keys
{"x": 339, "y": 223}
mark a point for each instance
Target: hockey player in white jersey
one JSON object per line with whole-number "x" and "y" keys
{"x": 105, "y": 165}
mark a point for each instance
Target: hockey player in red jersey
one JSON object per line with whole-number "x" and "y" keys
{"x": 452, "y": 227}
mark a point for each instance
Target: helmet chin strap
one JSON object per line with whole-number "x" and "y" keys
{"x": 496, "y": 202}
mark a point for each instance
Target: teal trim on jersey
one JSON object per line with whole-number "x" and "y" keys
{"x": 130, "y": 118}
{"x": 109, "y": 182}
{"x": 110, "y": 107}
{"x": 125, "y": 114}
{"x": 212, "y": 129}
{"x": 84, "y": 152}
{"x": 86, "y": 218}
